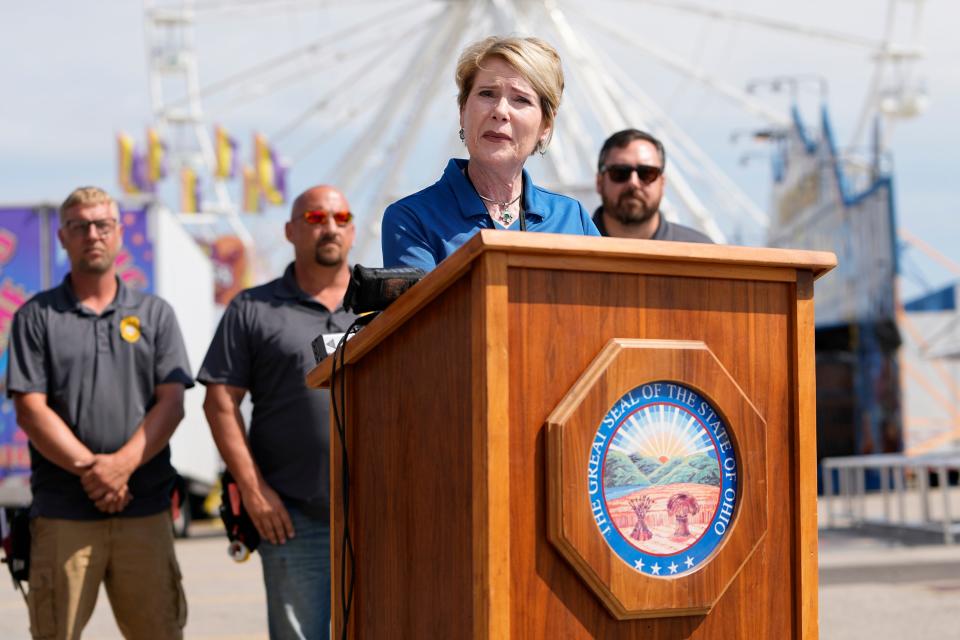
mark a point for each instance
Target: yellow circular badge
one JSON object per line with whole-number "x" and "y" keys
{"x": 130, "y": 329}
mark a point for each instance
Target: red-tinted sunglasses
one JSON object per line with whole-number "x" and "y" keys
{"x": 319, "y": 216}
{"x": 622, "y": 172}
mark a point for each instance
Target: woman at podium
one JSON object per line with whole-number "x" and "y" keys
{"x": 509, "y": 92}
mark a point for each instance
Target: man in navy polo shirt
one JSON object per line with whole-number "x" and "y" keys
{"x": 97, "y": 373}
{"x": 282, "y": 466}
{"x": 630, "y": 183}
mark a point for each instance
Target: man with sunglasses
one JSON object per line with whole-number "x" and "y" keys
{"x": 97, "y": 372}
{"x": 630, "y": 183}
{"x": 281, "y": 467}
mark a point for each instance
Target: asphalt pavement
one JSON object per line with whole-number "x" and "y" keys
{"x": 874, "y": 585}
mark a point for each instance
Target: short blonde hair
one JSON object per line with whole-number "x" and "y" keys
{"x": 86, "y": 197}
{"x": 535, "y": 60}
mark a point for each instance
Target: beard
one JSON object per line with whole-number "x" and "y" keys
{"x": 329, "y": 253}
{"x": 95, "y": 265}
{"x": 630, "y": 208}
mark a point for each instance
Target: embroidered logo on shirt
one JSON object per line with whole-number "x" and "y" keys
{"x": 130, "y": 329}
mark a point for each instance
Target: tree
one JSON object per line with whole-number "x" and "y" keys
{"x": 640, "y": 507}
{"x": 619, "y": 471}
{"x": 681, "y": 506}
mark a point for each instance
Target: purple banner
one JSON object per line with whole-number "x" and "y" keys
{"x": 20, "y": 277}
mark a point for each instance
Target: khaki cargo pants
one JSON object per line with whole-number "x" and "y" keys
{"x": 132, "y": 557}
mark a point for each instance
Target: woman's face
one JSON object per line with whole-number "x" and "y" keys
{"x": 502, "y": 120}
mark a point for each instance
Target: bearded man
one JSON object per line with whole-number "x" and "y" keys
{"x": 263, "y": 346}
{"x": 630, "y": 182}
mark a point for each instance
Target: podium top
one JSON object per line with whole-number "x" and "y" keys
{"x": 572, "y": 252}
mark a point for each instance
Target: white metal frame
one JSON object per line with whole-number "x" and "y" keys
{"x": 698, "y": 191}
{"x": 850, "y": 492}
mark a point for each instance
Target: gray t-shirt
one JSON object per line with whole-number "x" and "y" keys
{"x": 666, "y": 230}
{"x": 99, "y": 373}
{"x": 263, "y": 345}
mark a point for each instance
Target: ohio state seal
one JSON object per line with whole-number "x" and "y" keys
{"x": 662, "y": 479}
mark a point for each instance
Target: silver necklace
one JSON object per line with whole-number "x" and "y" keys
{"x": 506, "y": 215}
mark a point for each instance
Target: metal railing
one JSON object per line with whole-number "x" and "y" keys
{"x": 903, "y": 479}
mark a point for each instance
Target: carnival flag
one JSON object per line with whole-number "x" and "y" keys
{"x": 264, "y": 162}
{"x": 189, "y": 191}
{"x": 156, "y": 167}
{"x": 279, "y": 176}
{"x": 252, "y": 202}
{"x": 226, "y": 150}
{"x": 126, "y": 161}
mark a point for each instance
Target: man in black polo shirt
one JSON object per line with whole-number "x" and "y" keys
{"x": 282, "y": 466}
{"x": 630, "y": 183}
{"x": 97, "y": 373}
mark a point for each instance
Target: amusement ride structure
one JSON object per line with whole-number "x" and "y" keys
{"x": 255, "y": 99}
{"x": 366, "y": 99}
{"x": 360, "y": 94}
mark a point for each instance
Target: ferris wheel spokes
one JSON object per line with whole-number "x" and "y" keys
{"x": 727, "y": 15}
{"x": 403, "y": 119}
{"x": 688, "y": 152}
{"x": 600, "y": 85}
{"x": 354, "y": 161}
{"x": 410, "y": 123}
{"x": 675, "y": 62}
{"x": 328, "y": 50}
{"x": 376, "y": 115}
{"x": 338, "y": 94}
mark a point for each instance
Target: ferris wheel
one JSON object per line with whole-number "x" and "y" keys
{"x": 360, "y": 93}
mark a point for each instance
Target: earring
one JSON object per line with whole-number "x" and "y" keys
{"x": 463, "y": 138}
{"x": 541, "y": 147}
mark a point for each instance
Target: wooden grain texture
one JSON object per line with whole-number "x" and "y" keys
{"x": 411, "y": 442}
{"x": 405, "y": 307}
{"x": 713, "y": 261}
{"x": 607, "y": 264}
{"x": 447, "y": 405}
{"x": 818, "y": 262}
{"x": 340, "y": 574}
{"x": 491, "y": 450}
{"x": 747, "y": 325}
{"x": 620, "y": 367}
{"x": 805, "y": 446}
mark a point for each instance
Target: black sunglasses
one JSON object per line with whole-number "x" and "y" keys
{"x": 104, "y": 226}
{"x": 622, "y": 172}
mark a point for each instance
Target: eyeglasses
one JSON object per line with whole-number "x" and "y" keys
{"x": 319, "y": 216}
{"x": 104, "y": 226}
{"x": 622, "y": 172}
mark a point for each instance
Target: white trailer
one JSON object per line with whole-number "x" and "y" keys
{"x": 184, "y": 277}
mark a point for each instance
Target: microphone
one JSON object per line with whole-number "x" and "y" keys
{"x": 373, "y": 289}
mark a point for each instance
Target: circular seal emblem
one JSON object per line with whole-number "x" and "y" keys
{"x": 662, "y": 479}
{"x": 130, "y": 329}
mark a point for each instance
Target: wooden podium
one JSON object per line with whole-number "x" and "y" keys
{"x": 566, "y": 437}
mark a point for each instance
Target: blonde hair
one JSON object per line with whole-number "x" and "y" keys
{"x": 87, "y": 197}
{"x": 535, "y": 60}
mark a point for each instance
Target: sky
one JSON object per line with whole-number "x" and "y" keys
{"x": 76, "y": 73}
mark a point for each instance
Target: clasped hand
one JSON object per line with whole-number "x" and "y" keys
{"x": 104, "y": 478}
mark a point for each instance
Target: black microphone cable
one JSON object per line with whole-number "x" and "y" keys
{"x": 347, "y": 557}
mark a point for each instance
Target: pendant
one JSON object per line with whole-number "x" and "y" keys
{"x": 507, "y": 218}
